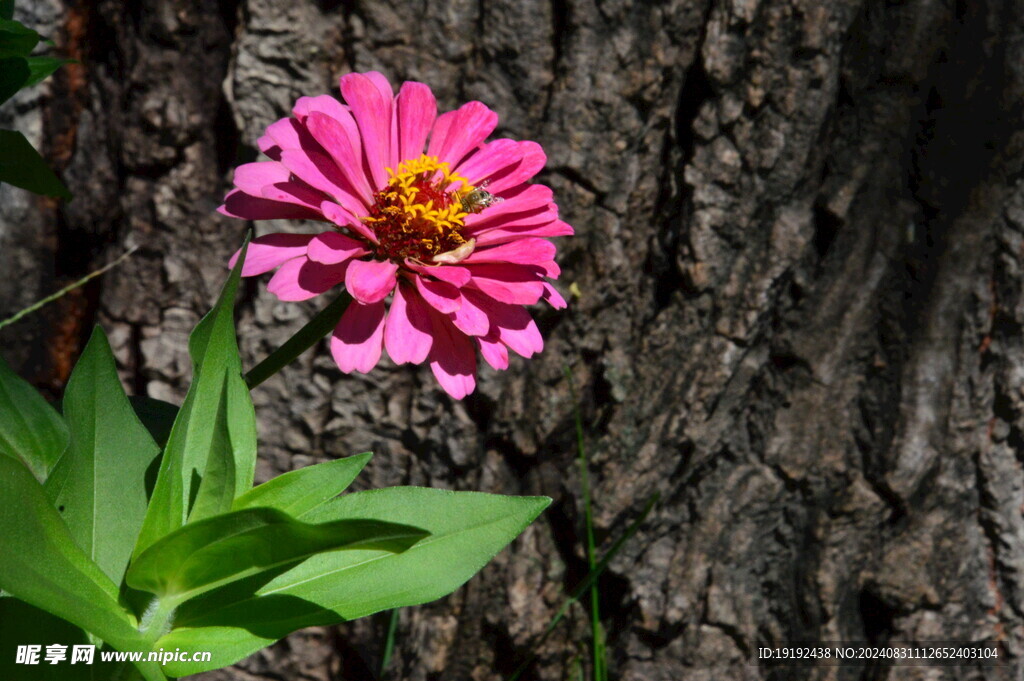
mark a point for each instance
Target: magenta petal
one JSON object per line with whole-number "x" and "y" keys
{"x": 270, "y": 251}
{"x": 320, "y": 172}
{"x": 492, "y": 158}
{"x": 513, "y": 284}
{"x": 553, "y": 297}
{"x": 470, "y": 319}
{"x": 408, "y": 334}
{"x": 494, "y": 352}
{"x": 331, "y": 248}
{"x": 533, "y": 162}
{"x": 370, "y": 281}
{"x": 302, "y": 279}
{"x": 493, "y": 237}
{"x": 344, "y": 218}
{"x": 417, "y": 110}
{"x": 512, "y": 323}
{"x": 452, "y": 358}
{"x": 285, "y": 133}
{"x": 441, "y": 295}
{"x": 456, "y": 276}
{"x": 340, "y": 139}
{"x": 458, "y": 132}
{"x": 323, "y": 104}
{"x": 356, "y": 343}
{"x": 373, "y": 115}
{"x": 251, "y": 178}
{"x": 524, "y": 252}
{"x": 238, "y": 204}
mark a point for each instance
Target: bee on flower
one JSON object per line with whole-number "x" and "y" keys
{"x": 419, "y": 209}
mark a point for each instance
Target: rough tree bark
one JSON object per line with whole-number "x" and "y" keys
{"x": 799, "y": 264}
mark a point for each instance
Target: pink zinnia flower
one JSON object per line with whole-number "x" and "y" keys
{"x": 420, "y": 209}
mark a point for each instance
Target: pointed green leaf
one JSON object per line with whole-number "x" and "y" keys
{"x": 31, "y": 431}
{"x": 99, "y": 485}
{"x": 215, "y": 429}
{"x": 16, "y": 40}
{"x": 41, "y": 68}
{"x": 466, "y": 530}
{"x": 24, "y": 624}
{"x": 14, "y": 75}
{"x": 212, "y": 552}
{"x": 6, "y": 9}
{"x": 302, "y": 490}
{"x": 22, "y": 166}
{"x": 41, "y": 564}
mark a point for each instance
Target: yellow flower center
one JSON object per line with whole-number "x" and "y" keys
{"x": 420, "y": 213}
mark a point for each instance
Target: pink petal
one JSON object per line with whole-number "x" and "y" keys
{"x": 331, "y": 248}
{"x": 323, "y": 104}
{"x": 238, "y": 204}
{"x": 302, "y": 279}
{"x": 388, "y": 94}
{"x": 251, "y": 178}
{"x": 370, "y": 281}
{"x": 285, "y": 133}
{"x": 373, "y": 115}
{"x": 514, "y": 284}
{"x": 296, "y": 192}
{"x": 533, "y": 162}
{"x": 441, "y": 295}
{"x": 471, "y": 319}
{"x": 319, "y": 171}
{"x": 452, "y": 358}
{"x": 270, "y": 251}
{"x": 417, "y": 110}
{"x": 490, "y": 159}
{"x": 514, "y": 325}
{"x": 458, "y": 132}
{"x": 523, "y": 199}
{"x": 494, "y": 352}
{"x": 408, "y": 334}
{"x": 269, "y": 147}
{"x": 499, "y": 220}
{"x": 356, "y": 343}
{"x": 344, "y": 218}
{"x": 493, "y": 237}
{"x": 340, "y": 138}
{"x": 529, "y": 251}
{"x": 553, "y": 297}
{"x": 456, "y": 276}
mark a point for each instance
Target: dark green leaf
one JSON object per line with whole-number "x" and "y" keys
{"x": 211, "y": 552}
{"x": 41, "y": 564}
{"x": 24, "y": 624}
{"x": 16, "y": 40}
{"x": 22, "y": 166}
{"x": 467, "y": 529}
{"x": 14, "y": 74}
{"x": 99, "y": 485}
{"x": 31, "y": 430}
{"x": 6, "y": 9}
{"x": 299, "y": 491}
{"x": 210, "y": 456}
{"x": 41, "y": 68}
{"x": 158, "y": 416}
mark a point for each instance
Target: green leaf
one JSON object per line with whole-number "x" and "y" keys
{"x": 41, "y": 68}
{"x": 22, "y": 166}
{"x": 24, "y": 624}
{"x": 302, "y": 490}
{"x": 14, "y": 74}
{"x": 31, "y": 431}
{"x": 99, "y": 485}
{"x": 16, "y": 40}
{"x": 158, "y": 416}
{"x": 210, "y": 457}
{"x": 41, "y": 564}
{"x": 212, "y": 552}
{"x": 466, "y": 530}
{"x": 6, "y": 9}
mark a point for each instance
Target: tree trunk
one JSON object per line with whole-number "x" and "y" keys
{"x": 796, "y": 309}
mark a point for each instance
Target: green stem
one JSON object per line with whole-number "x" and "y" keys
{"x": 389, "y": 642}
{"x": 597, "y": 639}
{"x": 589, "y": 580}
{"x": 307, "y": 337}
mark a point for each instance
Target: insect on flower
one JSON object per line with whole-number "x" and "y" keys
{"x": 438, "y": 234}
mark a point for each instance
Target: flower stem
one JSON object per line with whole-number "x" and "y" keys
{"x": 307, "y": 337}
